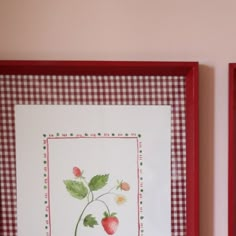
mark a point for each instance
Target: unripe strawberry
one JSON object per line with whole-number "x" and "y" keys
{"x": 77, "y": 172}
{"x": 124, "y": 186}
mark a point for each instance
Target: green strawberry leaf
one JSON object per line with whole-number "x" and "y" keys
{"x": 90, "y": 221}
{"x": 98, "y": 182}
{"x": 106, "y": 214}
{"x": 113, "y": 214}
{"x": 76, "y": 189}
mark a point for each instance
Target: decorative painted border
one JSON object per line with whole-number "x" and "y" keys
{"x": 46, "y": 170}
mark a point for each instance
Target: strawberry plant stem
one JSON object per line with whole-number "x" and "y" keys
{"x": 104, "y": 204}
{"x": 80, "y": 217}
{"x": 108, "y": 192}
{"x": 90, "y": 191}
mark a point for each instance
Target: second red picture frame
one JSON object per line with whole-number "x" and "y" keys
{"x": 232, "y": 152}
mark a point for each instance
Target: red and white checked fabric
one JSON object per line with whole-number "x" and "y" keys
{"x": 101, "y": 90}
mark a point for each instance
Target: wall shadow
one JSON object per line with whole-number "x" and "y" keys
{"x": 206, "y": 149}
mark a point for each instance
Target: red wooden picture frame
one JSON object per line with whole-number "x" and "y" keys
{"x": 232, "y": 151}
{"x": 21, "y": 83}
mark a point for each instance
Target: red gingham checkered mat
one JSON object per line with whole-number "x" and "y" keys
{"x": 104, "y": 90}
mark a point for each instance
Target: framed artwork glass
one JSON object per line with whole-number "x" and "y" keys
{"x": 98, "y": 147}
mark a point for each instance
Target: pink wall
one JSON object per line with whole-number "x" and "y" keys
{"x": 142, "y": 30}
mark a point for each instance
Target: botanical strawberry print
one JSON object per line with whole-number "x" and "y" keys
{"x": 90, "y": 192}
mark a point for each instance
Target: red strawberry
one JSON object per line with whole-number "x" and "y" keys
{"x": 110, "y": 223}
{"x": 77, "y": 172}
